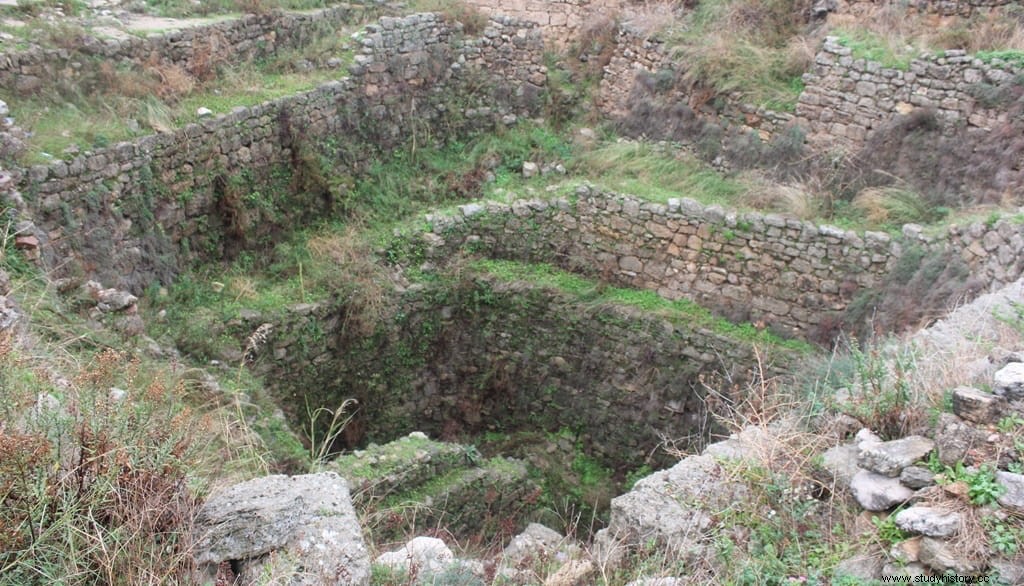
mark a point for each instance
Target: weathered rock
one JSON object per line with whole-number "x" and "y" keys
{"x": 875, "y": 492}
{"x": 572, "y": 573}
{"x": 890, "y": 458}
{"x": 9, "y": 314}
{"x": 421, "y": 555}
{"x": 864, "y": 567}
{"x": 976, "y": 405}
{"x": 954, "y": 439}
{"x": 203, "y": 112}
{"x": 673, "y": 507}
{"x": 110, "y": 300}
{"x": 1008, "y": 571}
{"x": 939, "y": 555}
{"x": 841, "y": 461}
{"x": 1000, "y": 357}
{"x": 537, "y": 542}
{"x": 5, "y": 282}
{"x": 1014, "y": 483}
{"x": 530, "y": 169}
{"x": 928, "y": 521}
{"x": 907, "y": 551}
{"x": 1008, "y": 381}
{"x": 747, "y": 444}
{"x": 911, "y": 570}
{"x": 306, "y": 521}
{"x": 917, "y": 477}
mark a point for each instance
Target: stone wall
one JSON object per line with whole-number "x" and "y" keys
{"x": 748, "y": 266}
{"x": 846, "y": 99}
{"x": 943, "y": 7}
{"x": 136, "y": 212}
{"x": 763, "y": 268}
{"x": 198, "y": 50}
{"x": 561, "y": 20}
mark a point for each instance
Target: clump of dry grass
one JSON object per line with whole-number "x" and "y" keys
{"x": 346, "y": 253}
{"x": 95, "y": 487}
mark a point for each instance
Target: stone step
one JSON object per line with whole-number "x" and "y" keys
{"x": 490, "y": 500}
{"x": 399, "y": 467}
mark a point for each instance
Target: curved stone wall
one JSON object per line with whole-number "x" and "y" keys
{"x": 762, "y": 268}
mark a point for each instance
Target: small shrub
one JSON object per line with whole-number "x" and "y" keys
{"x": 982, "y": 486}
{"x": 887, "y": 531}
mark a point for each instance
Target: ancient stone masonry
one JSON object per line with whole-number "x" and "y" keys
{"x": 197, "y": 49}
{"x": 944, "y": 7}
{"x": 783, "y": 272}
{"x": 641, "y": 67}
{"x": 135, "y": 212}
{"x": 750, "y": 266}
{"x": 846, "y": 99}
{"x": 561, "y": 20}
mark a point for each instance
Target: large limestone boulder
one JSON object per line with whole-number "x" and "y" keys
{"x": 301, "y": 529}
{"x": 673, "y": 507}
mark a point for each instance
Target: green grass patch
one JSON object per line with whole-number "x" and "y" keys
{"x": 1014, "y": 57}
{"x": 864, "y": 44}
{"x": 653, "y": 173}
{"x": 679, "y": 311}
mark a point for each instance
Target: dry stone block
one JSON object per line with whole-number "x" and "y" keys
{"x": 875, "y": 492}
{"x": 1014, "y": 484}
{"x": 940, "y": 556}
{"x": 928, "y": 521}
{"x": 890, "y": 458}
{"x": 307, "y": 522}
{"x": 1009, "y": 381}
{"x": 976, "y": 406}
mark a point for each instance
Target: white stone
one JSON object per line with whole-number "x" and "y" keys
{"x": 1009, "y": 381}
{"x": 889, "y": 458}
{"x": 424, "y": 554}
{"x": 203, "y": 112}
{"x": 875, "y": 492}
{"x": 928, "y": 521}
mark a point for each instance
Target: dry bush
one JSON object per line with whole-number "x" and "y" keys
{"x": 95, "y": 488}
{"x": 207, "y": 56}
{"x": 895, "y": 206}
{"x": 956, "y": 167}
{"x": 473, "y": 20}
{"x": 792, "y": 199}
{"x": 997, "y": 29}
{"x": 649, "y": 19}
{"x": 347, "y": 253}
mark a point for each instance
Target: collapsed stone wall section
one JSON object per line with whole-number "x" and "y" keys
{"x": 138, "y": 211}
{"x": 641, "y": 66}
{"x": 846, "y": 98}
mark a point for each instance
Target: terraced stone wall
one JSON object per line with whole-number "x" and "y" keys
{"x": 561, "y": 20}
{"x": 784, "y": 273}
{"x": 846, "y": 99}
{"x": 198, "y": 50}
{"x": 944, "y": 7}
{"x": 136, "y": 212}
